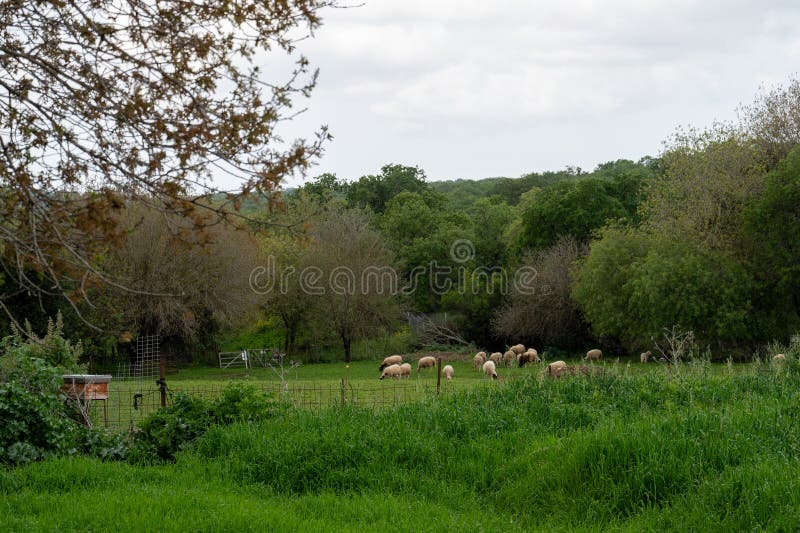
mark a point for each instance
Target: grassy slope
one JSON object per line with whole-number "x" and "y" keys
{"x": 628, "y": 452}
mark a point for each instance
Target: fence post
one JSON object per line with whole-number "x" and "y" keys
{"x": 344, "y": 396}
{"x": 438, "y": 375}
{"x": 162, "y": 382}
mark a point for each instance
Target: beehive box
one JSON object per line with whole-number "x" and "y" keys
{"x": 86, "y": 386}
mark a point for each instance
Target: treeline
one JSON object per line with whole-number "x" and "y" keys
{"x": 704, "y": 238}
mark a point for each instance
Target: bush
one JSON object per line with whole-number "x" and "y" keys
{"x": 164, "y": 433}
{"x": 53, "y": 348}
{"x": 33, "y": 425}
{"x": 34, "y": 421}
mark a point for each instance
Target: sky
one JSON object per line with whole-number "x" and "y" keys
{"x": 475, "y": 88}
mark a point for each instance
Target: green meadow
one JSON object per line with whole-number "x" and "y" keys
{"x": 686, "y": 448}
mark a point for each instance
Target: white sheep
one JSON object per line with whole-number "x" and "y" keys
{"x": 490, "y": 370}
{"x": 448, "y": 372}
{"x": 426, "y": 362}
{"x": 478, "y": 360}
{"x": 556, "y": 368}
{"x": 645, "y": 357}
{"x": 405, "y": 370}
{"x": 530, "y": 356}
{"x": 518, "y": 349}
{"x": 509, "y": 357}
{"x": 779, "y": 359}
{"x": 391, "y": 371}
{"x": 391, "y": 360}
{"x": 496, "y": 357}
{"x": 593, "y": 355}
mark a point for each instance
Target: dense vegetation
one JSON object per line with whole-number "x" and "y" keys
{"x": 661, "y": 451}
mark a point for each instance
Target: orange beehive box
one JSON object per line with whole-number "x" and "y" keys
{"x": 86, "y": 386}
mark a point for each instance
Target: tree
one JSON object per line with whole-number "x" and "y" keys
{"x": 633, "y": 285}
{"x": 284, "y": 254}
{"x": 102, "y": 101}
{"x": 490, "y": 217}
{"x": 177, "y": 286}
{"x": 772, "y": 121}
{"x": 324, "y": 187}
{"x": 353, "y": 276}
{"x": 548, "y": 314}
{"x": 374, "y": 191}
{"x": 772, "y": 232}
{"x": 574, "y": 208}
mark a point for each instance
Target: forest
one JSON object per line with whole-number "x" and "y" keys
{"x": 702, "y": 238}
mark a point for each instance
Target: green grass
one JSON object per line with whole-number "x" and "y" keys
{"x": 703, "y": 449}
{"x": 318, "y": 385}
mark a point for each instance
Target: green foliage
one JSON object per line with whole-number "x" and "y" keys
{"x": 696, "y": 289}
{"x": 601, "y": 280}
{"x": 489, "y": 218}
{"x": 33, "y": 425}
{"x": 654, "y": 452}
{"x": 324, "y": 187}
{"x": 34, "y": 421}
{"x": 53, "y": 348}
{"x": 374, "y": 191}
{"x": 632, "y": 286}
{"x": 772, "y": 222}
{"x": 569, "y": 208}
{"x": 173, "y": 428}
{"x": 261, "y": 334}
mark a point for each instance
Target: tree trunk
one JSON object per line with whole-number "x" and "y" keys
{"x": 346, "y": 342}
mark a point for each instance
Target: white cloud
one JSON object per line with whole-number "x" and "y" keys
{"x": 494, "y": 78}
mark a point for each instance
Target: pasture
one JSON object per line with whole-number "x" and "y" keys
{"x": 320, "y": 385}
{"x": 691, "y": 449}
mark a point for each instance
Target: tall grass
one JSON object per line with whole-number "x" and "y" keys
{"x": 652, "y": 452}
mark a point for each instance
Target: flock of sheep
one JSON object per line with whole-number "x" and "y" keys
{"x": 519, "y": 355}
{"x": 394, "y": 367}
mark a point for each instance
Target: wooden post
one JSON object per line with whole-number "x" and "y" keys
{"x": 344, "y": 397}
{"x": 162, "y": 381}
{"x": 438, "y": 375}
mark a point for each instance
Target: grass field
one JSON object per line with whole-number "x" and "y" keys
{"x": 320, "y": 385}
{"x": 691, "y": 449}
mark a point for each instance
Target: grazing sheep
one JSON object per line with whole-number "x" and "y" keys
{"x": 496, "y": 357}
{"x": 392, "y": 371}
{"x": 490, "y": 370}
{"x": 448, "y": 372}
{"x": 478, "y": 360}
{"x": 509, "y": 357}
{"x": 518, "y": 349}
{"x": 405, "y": 370}
{"x": 426, "y": 362}
{"x": 530, "y": 356}
{"x": 391, "y": 360}
{"x": 645, "y": 357}
{"x": 779, "y": 359}
{"x": 593, "y": 355}
{"x": 556, "y": 368}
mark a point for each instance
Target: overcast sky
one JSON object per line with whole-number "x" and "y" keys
{"x": 476, "y": 88}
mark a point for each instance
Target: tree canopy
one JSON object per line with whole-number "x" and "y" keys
{"x": 103, "y": 101}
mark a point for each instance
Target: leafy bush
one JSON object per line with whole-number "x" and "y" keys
{"x": 171, "y": 429}
{"x": 53, "y": 348}
{"x": 33, "y": 425}
{"x": 34, "y": 421}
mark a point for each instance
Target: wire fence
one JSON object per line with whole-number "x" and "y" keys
{"x": 126, "y": 405}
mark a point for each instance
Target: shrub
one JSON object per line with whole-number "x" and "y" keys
{"x": 164, "y": 433}
{"x": 34, "y": 421}
{"x": 33, "y": 425}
